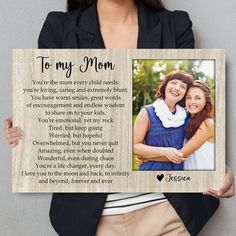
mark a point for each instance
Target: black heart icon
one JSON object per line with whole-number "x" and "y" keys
{"x": 160, "y": 177}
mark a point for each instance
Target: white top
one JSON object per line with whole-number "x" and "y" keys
{"x": 120, "y": 203}
{"x": 202, "y": 158}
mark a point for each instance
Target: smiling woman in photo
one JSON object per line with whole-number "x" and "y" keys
{"x": 159, "y": 127}
{"x": 200, "y": 128}
{"x": 198, "y": 150}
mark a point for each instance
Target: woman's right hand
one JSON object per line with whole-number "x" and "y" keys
{"x": 174, "y": 155}
{"x": 170, "y": 154}
{"x": 12, "y": 134}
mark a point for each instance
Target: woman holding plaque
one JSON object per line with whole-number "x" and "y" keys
{"x": 123, "y": 24}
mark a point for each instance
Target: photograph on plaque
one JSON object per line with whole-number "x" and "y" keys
{"x": 173, "y": 110}
{"x": 119, "y": 120}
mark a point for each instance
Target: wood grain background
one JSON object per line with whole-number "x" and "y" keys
{"x": 26, "y": 68}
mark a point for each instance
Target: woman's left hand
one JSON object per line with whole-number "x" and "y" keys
{"x": 227, "y": 190}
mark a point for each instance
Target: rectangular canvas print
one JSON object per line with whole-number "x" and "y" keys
{"x": 119, "y": 120}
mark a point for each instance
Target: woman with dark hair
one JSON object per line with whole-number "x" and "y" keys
{"x": 198, "y": 151}
{"x": 83, "y": 4}
{"x": 122, "y": 24}
{"x": 201, "y": 127}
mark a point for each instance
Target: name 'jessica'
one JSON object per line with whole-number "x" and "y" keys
{"x": 176, "y": 178}
{"x": 94, "y": 63}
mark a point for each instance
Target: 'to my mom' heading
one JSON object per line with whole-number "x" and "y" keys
{"x": 67, "y": 66}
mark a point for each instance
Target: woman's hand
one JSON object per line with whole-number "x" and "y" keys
{"x": 140, "y": 160}
{"x": 227, "y": 190}
{"x": 173, "y": 155}
{"x": 170, "y": 154}
{"x": 12, "y": 134}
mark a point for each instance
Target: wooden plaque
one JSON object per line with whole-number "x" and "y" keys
{"x": 76, "y": 109}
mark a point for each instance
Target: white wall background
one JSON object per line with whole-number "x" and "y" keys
{"x": 214, "y": 24}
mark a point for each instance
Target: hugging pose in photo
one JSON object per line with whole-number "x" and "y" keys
{"x": 176, "y": 132}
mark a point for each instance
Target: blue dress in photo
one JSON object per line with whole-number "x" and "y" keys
{"x": 159, "y": 136}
